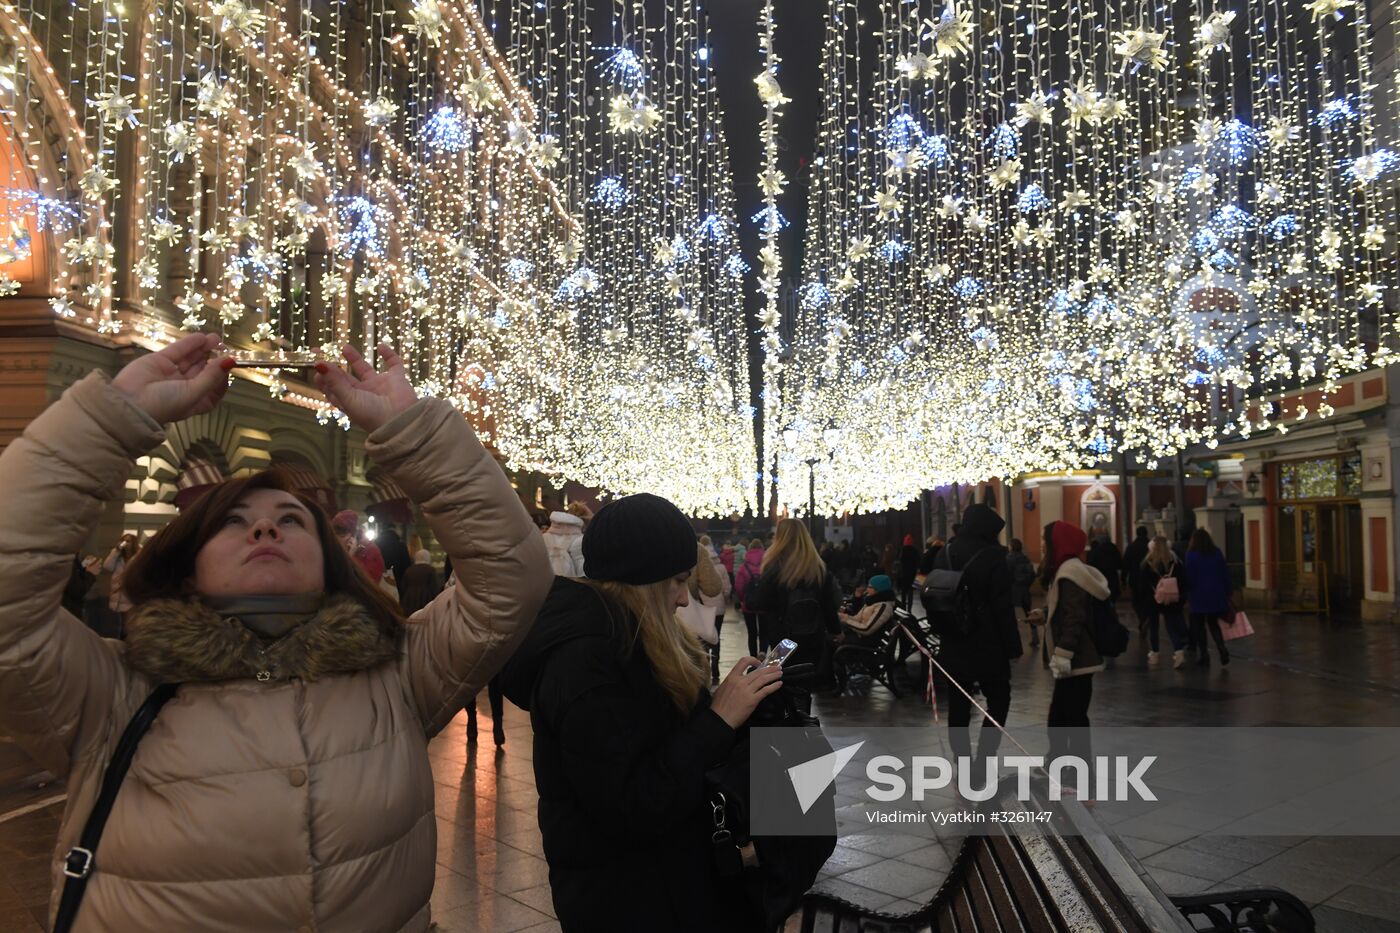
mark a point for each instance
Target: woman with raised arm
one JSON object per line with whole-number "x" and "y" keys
{"x": 286, "y": 784}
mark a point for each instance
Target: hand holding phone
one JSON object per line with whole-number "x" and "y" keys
{"x": 779, "y": 653}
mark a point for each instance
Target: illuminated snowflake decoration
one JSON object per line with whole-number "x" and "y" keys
{"x": 951, "y": 32}
{"x": 446, "y": 131}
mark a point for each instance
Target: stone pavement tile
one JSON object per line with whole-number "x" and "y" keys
{"x": 496, "y": 913}
{"x": 1354, "y": 855}
{"x": 1373, "y": 902}
{"x": 844, "y": 859}
{"x": 1336, "y": 920}
{"x": 527, "y": 840}
{"x": 1251, "y": 849}
{"x": 1311, "y": 884}
{"x": 1387, "y": 876}
{"x": 452, "y": 890}
{"x": 1209, "y": 868}
{"x": 885, "y": 845}
{"x": 1178, "y": 884}
{"x": 1154, "y": 830}
{"x": 854, "y": 893}
{"x": 549, "y": 926}
{"x": 538, "y": 898}
{"x": 932, "y": 857}
{"x": 894, "y": 878}
{"x": 1142, "y": 848}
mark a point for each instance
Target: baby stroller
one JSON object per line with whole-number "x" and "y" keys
{"x": 871, "y": 648}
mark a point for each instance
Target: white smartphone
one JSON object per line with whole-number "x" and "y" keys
{"x": 779, "y": 653}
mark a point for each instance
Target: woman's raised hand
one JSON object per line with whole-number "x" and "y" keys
{"x": 370, "y": 398}
{"x": 186, "y": 378}
{"x": 735, "y": 700}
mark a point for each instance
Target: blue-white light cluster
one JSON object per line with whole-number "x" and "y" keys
{"x": 735, "y": 267}
{"x": 446, "y": 130}
{"x": 815, "y": 295}
{"x": 1335, "y": 113}
{"x": 770, "y": 220}
{"x": 1032, "y": 199}
{"x": 712, "y": 229}
{"x": 359, "y": 218}
{"x": 1003, "y": 141}
{"x": 1281, "y": 227}
{"x": 1240, "y": 141}
{"x": 519, "y": 270}
{"x": 624, "y": 67}
{"x": 968, "y": 287}
{"x": 611, "y": 193}
{"x": 893, "y": 250}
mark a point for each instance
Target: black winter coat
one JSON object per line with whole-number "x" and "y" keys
{"x": 620, "y": 774}
{"x": 784, "y": 611}
{"x": 989, "y": 580}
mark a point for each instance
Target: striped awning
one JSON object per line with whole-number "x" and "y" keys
{"x": 308, "y": 482}
{"x": 196, "y": 478}
{"x": 389, "y": 503}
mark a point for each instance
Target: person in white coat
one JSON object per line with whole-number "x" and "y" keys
{"x": 564, "y": 541}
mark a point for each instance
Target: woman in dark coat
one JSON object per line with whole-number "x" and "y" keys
{"x": 1209, "y": 596}
{"x": 625, "y": 730}
{"x": 908, "y": 570}
{"x": 796, "y": 596}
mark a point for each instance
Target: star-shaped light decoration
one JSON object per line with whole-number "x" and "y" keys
{"x": 887, "y": 203}
{"x": 1021, "y": 234}
{"x": 213, "y": 96}
{"x": 951, "y": 32}
{"x": 949, "y": 207}
{"x": 305, "y": 164}
{"x": 1073, "y": 201}
{"x": 1204, "y": 183}
{"x": 1371, "y": 293}
{"x": 859, "y": 249}
{"x": 1324, "y": 8}
{"x": 1084, "y": 104}
{"x": 632, "y": 113}
{"x": 977, "y": 223}
{"x": 1127, "y": 221}
{"x": 547, "y": 152}
{"x": 180, "y": 140}
{"x": 847, "y": 283}
{"x": 569, "y": 251}
{"x": 1373, "y": 238}
{"x": 116, "y": 109}
{"x": 1214, "y": 32}
{"x": 247, "y": 22}
{"x": 518, "y": 136}
{"x": 1138, "y": 47}
{"x": 1045, "y": 233}
{"x": 8, "y": 286}
{"x": 380, "y": 111}
{"x": 904, "y": 161}
{"x": 1006, "y": 174}
{"x": 772, "y": 181}
{"x": 1035, "y": 108}
{"x": 478, "y": 91}
{"x": 1271, "y": 192}
{"x": 333, "y": 286}
{"x": 425, "y": 21}
{"x": 663, "y": 254}
{"x": 770, "y": 92}
{"x": 95, "y": 182}
{"x": 1208, "y": 131}
{"x": 1281, "y": 132}
{"x": 62, "y": 307}
{"x": 163, "y": 231}
{"x": 916, "y": 66}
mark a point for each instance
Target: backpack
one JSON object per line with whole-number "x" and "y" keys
{"x": 802, "y": 614}
{"x": 1168, "y": 590}
{"x": 1110, "y": 636}
{"x": 948, "y": 599}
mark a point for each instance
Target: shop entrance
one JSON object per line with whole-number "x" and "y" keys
{"x": 1320, "y": 559}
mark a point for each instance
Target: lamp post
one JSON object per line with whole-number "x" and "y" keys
{"x": 831, "y": 439}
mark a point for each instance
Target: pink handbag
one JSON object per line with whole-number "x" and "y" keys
{"x": 1238, "y": 627}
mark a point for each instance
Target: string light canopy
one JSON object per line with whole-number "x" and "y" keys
{"x": 295, "y": 176}
{"x": 1042, "y": 235}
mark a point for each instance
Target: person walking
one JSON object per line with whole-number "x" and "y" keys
{"x": 750, "y": 567}
{"x": 796, "y": 596}
{"x": 420, "y": 584}
{"x": 908, "y": 570}
{"x": 1022, "y": 576}
{"x": 1209, "y": 595}
{"x": 1105, "y": 557}
{"x": 1068, "y": 650}
{"x": 294, "y": 686}
{"x": 976, "y": 650}
{"x": 625, "y": 731}
{"x": 564, "y": 541}
{"x": 1165, "y": 600}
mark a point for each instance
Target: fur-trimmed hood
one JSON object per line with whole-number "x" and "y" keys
{"x": 185, "y": 641}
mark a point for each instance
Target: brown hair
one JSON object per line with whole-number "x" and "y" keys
{"x": 795, "y": 556}
{"x": 164, "y": 568}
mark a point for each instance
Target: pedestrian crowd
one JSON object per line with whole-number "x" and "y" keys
{"x": 260, "y": 680}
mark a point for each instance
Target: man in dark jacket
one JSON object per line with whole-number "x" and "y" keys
{"x": 1133, "y": 556}
{"x": 1105, "y": 558}
{"x": 979, "y": 659}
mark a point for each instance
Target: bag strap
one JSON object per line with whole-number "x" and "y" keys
{"x": 80, "y": 860}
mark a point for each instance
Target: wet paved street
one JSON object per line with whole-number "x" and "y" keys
{"x": 492, "y": 876}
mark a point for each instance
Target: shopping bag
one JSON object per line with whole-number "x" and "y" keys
{"x": 1238, "y": 627}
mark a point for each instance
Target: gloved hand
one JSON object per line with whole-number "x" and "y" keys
{"x": 1059, "y": 666}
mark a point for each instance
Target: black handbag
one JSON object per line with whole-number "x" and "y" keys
{"x": 787, "y": 865}
{"x": 80, "y": 861}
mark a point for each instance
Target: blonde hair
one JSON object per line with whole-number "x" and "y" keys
{"x": 1159, "y": 554}
{"x": 677, "y": 658}
{"x": 795, "y": 556}
{"x": 579, "y": 510}
{"x": 705, "y": 540}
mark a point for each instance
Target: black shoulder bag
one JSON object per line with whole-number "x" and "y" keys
{"x": 81, "y": 859}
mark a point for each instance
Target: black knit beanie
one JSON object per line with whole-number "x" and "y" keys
{"x": 638, "y": 539}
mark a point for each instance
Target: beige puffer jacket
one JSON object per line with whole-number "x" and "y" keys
{"x": 291, "y": 804}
